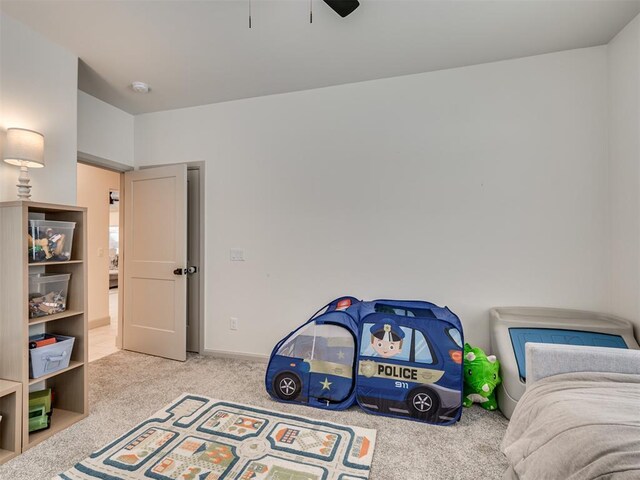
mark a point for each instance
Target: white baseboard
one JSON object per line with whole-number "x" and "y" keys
{"x": 253, "y": 357}
{"x": 99, "y": 322}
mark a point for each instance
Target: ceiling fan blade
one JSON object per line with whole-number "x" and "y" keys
{"x": 343, "y": 7}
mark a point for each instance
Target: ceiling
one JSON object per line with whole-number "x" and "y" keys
{"x": 200, "y": 52}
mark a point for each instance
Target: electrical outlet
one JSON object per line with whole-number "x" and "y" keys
{"x": 233, "y": 323}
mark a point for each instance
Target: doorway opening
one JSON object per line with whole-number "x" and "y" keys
{"x": 98, "y": 189}
{"x": 163, "y": 283}
{"x": 118, "y": 218}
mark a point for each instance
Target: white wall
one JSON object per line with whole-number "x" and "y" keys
{"x": 38, "y": 91}
{"x": 472, "y": 187}
{"x": 93, "y": 192}
{"x": 104, "y": 131}
{"x": 624, "y": 153}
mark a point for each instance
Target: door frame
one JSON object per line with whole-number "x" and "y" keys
{"x": 119, "y": 168}
{"x": 201, "y": 166}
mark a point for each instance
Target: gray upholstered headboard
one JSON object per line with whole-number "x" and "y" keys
{"x": 545, "y": 360}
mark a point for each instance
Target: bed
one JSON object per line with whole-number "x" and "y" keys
{"x": 513, "y": 327}
{"x": 579, "y": 417}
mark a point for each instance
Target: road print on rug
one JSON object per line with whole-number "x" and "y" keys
{"x": 200, "y": 438}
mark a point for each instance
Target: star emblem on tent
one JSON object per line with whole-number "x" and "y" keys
{"x": 326, "y": 384}
{"x": 341, "y": 355}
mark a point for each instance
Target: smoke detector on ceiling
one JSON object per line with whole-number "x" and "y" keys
{"x": 140, "y": 87}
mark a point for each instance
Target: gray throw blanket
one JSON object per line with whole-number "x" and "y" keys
{"x": 576, "y": 426}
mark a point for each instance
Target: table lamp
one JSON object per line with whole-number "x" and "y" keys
{"x": 24, "y": 149}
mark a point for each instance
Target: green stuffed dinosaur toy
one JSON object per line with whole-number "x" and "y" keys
{"x": 481, "y": 377}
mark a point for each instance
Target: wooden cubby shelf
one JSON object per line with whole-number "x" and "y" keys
{"x": 72, "y": 364}
{"x": 6, "y": 455}
{"x": 70, "y": 401}
{"x": 46, "y": 264}
{"x": 11, "y": 425}
{"x": 57, "y": 316}
{"x": 60, "y": 420}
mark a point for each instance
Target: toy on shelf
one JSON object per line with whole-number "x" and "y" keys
{"x": 47, "y": 340}
{"x": 50, "y": 240}
{"x": 481, "y": 377}
{"x": 391, "y": 357}
{"x": 52, "y": 302}
{"x": 48, "y": 293}
{"x": 40, "y": 410}
{"x": 52, "y": 244}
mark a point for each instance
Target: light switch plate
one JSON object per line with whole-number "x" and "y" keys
{"x": 236, "y": 255}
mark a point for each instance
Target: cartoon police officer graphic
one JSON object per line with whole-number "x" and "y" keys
{"x": 386, "y": 338}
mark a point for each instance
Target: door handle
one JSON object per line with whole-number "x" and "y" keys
{"x": 185, "y": 271}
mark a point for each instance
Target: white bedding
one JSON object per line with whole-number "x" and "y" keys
{"x": 576, "y": 426}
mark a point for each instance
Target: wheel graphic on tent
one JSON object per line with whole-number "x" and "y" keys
{"x": 423, "y": 403}
{"x": 287, "y": 386}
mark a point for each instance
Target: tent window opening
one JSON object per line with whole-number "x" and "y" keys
{"x": 329, "y": 343}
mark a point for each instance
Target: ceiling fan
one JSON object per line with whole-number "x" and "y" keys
{"x": 343, "y": 7}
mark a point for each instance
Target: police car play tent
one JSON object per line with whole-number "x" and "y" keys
{"x": 395, "y": 358}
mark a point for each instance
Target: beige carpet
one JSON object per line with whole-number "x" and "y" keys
{"x": 125, "y": 388}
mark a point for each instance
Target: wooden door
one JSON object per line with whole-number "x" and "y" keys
{"x": 155, "y": 281}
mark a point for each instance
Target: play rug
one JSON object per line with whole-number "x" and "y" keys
{"x": 199, "y": 438}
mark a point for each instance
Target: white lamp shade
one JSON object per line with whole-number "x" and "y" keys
{"x": 24, "y": 148}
